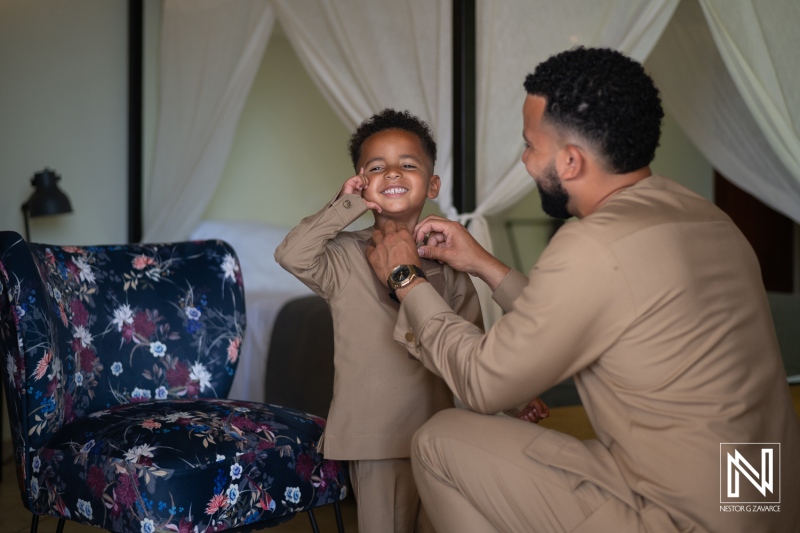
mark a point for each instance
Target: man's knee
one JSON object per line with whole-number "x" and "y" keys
{"x": 426, "y": 444}
{"x": 439, "y": 428}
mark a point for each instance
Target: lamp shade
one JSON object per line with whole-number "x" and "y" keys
{"x": 47, "y": 199}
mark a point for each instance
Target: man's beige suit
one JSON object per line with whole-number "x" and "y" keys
{"x": 655, "y": 304}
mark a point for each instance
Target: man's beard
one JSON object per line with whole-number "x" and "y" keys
{"x": 555, "y": 197}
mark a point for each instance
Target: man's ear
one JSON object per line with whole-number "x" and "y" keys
{"x": 571, "y": 161}
{"x": 434, "y": 184}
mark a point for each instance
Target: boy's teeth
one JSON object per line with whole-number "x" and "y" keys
{"x": 395, "y": 190}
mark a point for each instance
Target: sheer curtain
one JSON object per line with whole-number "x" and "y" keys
{"x": 366, "y": 55}
{"x": 715, "y": 115}
{"x": 759, "y": 42}
{"x": 513, "y": 37}
{"x": 210, "y": 53}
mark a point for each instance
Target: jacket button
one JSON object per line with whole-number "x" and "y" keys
{"x": 346, "y": 204}
{"x": 410, "y": 337}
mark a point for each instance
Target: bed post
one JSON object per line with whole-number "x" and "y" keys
{"x": 464, "y": 104}
{"x": 135, "y": 59}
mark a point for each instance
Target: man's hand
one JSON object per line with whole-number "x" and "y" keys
{"x": 391, "y": 247}
{"x": 535, "y": 411}
{"x": 357, "y": 185}
{"x": 449, "y": 242}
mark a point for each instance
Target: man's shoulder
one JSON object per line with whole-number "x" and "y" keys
{"x": 654, "y": 201}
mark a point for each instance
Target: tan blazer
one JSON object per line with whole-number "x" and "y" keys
{"x": 655, "y": 305}
{"x": 381, "y": 395}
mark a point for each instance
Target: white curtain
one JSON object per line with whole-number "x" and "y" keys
{"x": 513, "y": 36}
{"x": 759, "y": 42}
{"x": 701, "y": 95}
{"x": 210, "y": 53}
{"x": 366, "y": 55}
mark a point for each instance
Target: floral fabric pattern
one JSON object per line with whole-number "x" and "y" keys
{"x": 115, "y": 359}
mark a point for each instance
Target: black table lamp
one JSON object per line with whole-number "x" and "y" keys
{"x": 46, "y": 200}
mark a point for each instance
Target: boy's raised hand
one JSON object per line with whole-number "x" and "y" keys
{"x": 357, "y": 185}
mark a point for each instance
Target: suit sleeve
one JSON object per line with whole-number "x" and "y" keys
{"x": 309, "y": 251}
{"x": 509, "y": 289}
{"x": 574, "y": 307}
{"x": 464, "y": 300}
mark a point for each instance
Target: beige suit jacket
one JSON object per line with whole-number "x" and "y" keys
{"x": 381, "y": 395}
{"x": 655, "y": 305}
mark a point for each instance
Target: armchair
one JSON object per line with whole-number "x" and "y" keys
{"x": 116, "y": 364}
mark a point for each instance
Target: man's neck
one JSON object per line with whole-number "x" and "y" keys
{"x": 610, "y": 185}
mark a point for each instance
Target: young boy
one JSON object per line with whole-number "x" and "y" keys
{"x": 381, "y": 395}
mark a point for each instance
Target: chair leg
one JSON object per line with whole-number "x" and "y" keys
{"x": 35, "y": 524}
{"x": 313, "y": 520}
{"x": 339, "y": 524}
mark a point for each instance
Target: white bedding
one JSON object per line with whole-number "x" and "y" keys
{"x": 267, "y": 287}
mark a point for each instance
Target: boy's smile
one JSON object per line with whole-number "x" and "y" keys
{"x": 394, "y": 191}
{"x": 400, "y": 175}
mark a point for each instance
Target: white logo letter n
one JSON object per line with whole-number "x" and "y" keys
{"x": 741, "y": 465}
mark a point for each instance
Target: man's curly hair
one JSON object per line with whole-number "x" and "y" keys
{"x": 605, "y": 97}
{"x": 389, "y": 119}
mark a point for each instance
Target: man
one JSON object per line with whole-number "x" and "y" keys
{"x": 652, "y": 300}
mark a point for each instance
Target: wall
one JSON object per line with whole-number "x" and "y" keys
{"x": 289, "y": 156}
{"x": 63, "y": 105}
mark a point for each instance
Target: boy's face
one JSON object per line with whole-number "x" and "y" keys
{"x": 399, "y": 172}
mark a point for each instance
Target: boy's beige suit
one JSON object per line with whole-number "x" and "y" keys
{"x": 381, "y": 395}
{"x": 655, "y": 304}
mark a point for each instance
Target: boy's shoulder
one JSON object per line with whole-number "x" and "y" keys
{"x": 353, "y": 241}
{"x": 354, "y": 236}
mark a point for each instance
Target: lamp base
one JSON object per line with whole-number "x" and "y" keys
{"x": 26, "y": 217}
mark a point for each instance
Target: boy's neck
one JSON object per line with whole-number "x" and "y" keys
{"x": 409, "y": 220}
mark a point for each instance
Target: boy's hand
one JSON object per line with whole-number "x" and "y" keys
{"x": 535, "y": 411}
{"x": 357, "y": 185}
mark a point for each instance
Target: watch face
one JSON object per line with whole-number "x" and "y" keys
{"x": 401, "y": 274}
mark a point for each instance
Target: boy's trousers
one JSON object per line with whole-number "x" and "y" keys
{"x": 386, "y": 497}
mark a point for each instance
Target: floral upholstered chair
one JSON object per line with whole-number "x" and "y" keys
{"x": 116, "y": 364}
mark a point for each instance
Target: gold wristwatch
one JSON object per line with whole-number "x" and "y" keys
{"x": 402, "y": 275}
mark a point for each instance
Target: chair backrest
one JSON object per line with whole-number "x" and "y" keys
{"x": 292, "y": 351}
{"x": 85, "y": 328}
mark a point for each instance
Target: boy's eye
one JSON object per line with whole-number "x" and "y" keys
{"x": 375, "y": 169}
{"x": 409, "y": 165}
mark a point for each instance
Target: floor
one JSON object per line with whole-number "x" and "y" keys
{"x": 16, "y": 519}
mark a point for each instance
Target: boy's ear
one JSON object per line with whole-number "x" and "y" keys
{"x": 434, "y": 184}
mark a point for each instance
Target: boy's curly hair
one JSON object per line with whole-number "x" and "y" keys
{"x": 389, "y": 119}
{"x": 605, "y": 97}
